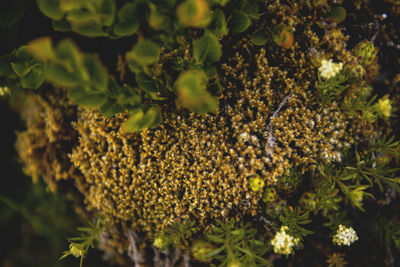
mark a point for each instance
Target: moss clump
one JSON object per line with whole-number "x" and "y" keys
{"x": 48, "y": 136}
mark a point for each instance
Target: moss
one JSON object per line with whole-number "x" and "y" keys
{"x": 48, "y": 136}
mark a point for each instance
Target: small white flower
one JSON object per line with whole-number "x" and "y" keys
{"x": 284, "y": 243}
{"x": 345, "y": 236}
{"x": 329, "y": 69}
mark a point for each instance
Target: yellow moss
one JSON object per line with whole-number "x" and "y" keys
{"x": 43, "y": 147}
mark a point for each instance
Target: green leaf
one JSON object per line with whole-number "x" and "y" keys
{"x": 69, "y": 56}
{"x": 128, "y": 20}
{"x": 211, "y": 72}
{"x": 239, "y": 21}
{"x": 259, "y": 37}
{"x": 337, "y": 15}
{"x": 129, "y": 96}
{"x": 90, "y": 30}
{"x": 87, "y": 98}
{"x": 24, "y": 62}
{"x": 146, "y": 83}
{"x": 110, "y": 108}
{"x": 126, "y": 28}
{"x": 144, "y": 53}
{"x": 50, "y": 8}
{"x": 58, "y": 74}
{"x": 207, "y": 49}
{"x": 192, "y": 93}
{"x": 140, "y": 120}
{"x": 216, "y": 251}
{"x": 218, "y": 25}
{"x": 34, "y": 78}
{"x": 42, "y": 48}
{"x": 97, "y": 72}
{"x": 193, "y": 13}
{"x": 251, "y": 9}
{"x": 157, "y": 20}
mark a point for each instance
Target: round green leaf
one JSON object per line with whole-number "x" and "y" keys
{"x": 239, "y": 22}
{"x": 192, "y": 93}
{"x": 144, "y": 53}
{"x": 259, "y": 37}
{"x": 207, "y": 49}
{"x": 337, "y": 15}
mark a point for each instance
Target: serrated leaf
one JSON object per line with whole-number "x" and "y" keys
{"x": 207, "y": 49}
{"x": 239, "y": 22}
{"x": 144, "y": 53}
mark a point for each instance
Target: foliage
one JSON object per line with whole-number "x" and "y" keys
{"x": 246, "y": 113}
{"x": 237, "y": 245}
{"x": 178, "y": 235}
{"x": 79, "y": 246}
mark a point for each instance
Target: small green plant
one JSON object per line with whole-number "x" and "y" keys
{"x": 178, "y": 235}
{"x": 237, "y": 245}
{"x": 79, "y": 246}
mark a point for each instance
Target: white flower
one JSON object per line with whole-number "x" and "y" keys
{"x": 284, "y": 243}
{"x": 345, "y": 236}
{"x": 329, "y": 69}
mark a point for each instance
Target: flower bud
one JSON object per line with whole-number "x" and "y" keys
{"x": 269, "y": 195}
{"x": 200, "y": 250}
{"x": 308, "y": 201}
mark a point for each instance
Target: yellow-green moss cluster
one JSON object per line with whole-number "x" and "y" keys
{"x": 43, "y": 147}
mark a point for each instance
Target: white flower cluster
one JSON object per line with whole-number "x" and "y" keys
{"x": 329, "y": 69}
{"x": 284, "y": 243}
{"x": 345, "y": 236}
